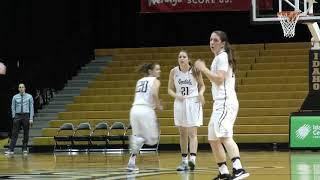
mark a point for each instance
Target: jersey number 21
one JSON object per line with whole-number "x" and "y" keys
{"x": 185, "y": 91}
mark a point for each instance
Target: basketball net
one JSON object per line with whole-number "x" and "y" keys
{"x": 288, "y": 20}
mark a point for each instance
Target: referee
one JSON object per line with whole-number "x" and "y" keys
{"x": 22, "y": 114}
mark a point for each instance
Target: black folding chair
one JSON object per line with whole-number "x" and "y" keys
{"x": 82, "y": 134}
{"x": 101, "y": 133}
{"x": 64, "y": 134}
{"x": 117, "y": 132}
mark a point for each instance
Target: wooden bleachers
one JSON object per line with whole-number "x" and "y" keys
{"x": 271, "y": 82}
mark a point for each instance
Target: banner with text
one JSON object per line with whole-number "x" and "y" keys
{"x": 304, "y": 131}
{"x": 311, "y": 102}
{"x": 149, "y": 6}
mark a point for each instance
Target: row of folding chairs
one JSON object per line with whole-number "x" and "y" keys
{"x": 68, "y": 137}
{"x": 71, "y": 135}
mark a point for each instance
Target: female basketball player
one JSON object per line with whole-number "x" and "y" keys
{"x": 187, "y": 87}
{"x": 145, "y": 129}
{"x": 225, "y": 107}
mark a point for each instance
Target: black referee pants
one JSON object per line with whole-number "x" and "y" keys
{"x": 20, "y": 120}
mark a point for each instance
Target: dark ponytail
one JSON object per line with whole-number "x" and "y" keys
{"x": 144, "y": 68}
{"x": 231, "y": 60}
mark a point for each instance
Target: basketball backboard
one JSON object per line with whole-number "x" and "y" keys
{"x": 265, "y": 11}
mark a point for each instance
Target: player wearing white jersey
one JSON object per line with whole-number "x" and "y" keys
{"x": 145, "y": 128}
{"x": 225, "y": 107}
{"x": 187, "y": 87}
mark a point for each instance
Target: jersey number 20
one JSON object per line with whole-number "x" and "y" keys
{"x": 142, "y": 86}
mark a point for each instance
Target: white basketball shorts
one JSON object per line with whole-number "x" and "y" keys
{"x": 144, "y": 123}
{"x": 188, "y": 113}
{"x": 222, "y": 119}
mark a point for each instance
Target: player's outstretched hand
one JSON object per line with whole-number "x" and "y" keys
{"x": 200, "y": 65}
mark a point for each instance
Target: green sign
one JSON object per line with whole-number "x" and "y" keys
{"x": 305, "y": 166}
{"x": 305, "y": 131}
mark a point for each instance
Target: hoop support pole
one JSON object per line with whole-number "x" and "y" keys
{"x": 315, "y": 32}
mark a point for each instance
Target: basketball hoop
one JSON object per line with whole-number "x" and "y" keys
{"x": 288, "y": 20}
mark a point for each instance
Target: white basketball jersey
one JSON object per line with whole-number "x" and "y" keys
{"x": 143, "y": 94}
{"x": 227, "y": 89}
{"x": 185, "y": 83}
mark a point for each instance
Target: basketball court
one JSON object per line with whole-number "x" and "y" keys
{"x": 262, "y": 165}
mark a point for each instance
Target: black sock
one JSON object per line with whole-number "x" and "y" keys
{"x": 193, "y": 154}
{"x": 235, "y": 158}
{"x": 184, "y": 155}
{"x": 222, "y": 163}
{"x": 133, "y": 155}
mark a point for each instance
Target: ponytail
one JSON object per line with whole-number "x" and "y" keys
{"x": 144, "y": 68}
{"x": 231, "y": 60}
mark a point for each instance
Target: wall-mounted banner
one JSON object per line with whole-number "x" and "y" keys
{"x": 311, "y": 102}
{"x": 149, "y": 6}
{"x": 314, "y": 71}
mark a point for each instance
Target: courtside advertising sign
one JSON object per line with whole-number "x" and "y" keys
{"x": 305, "y": 132}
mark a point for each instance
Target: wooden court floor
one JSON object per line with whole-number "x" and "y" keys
{"x": 262, "y": 165}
